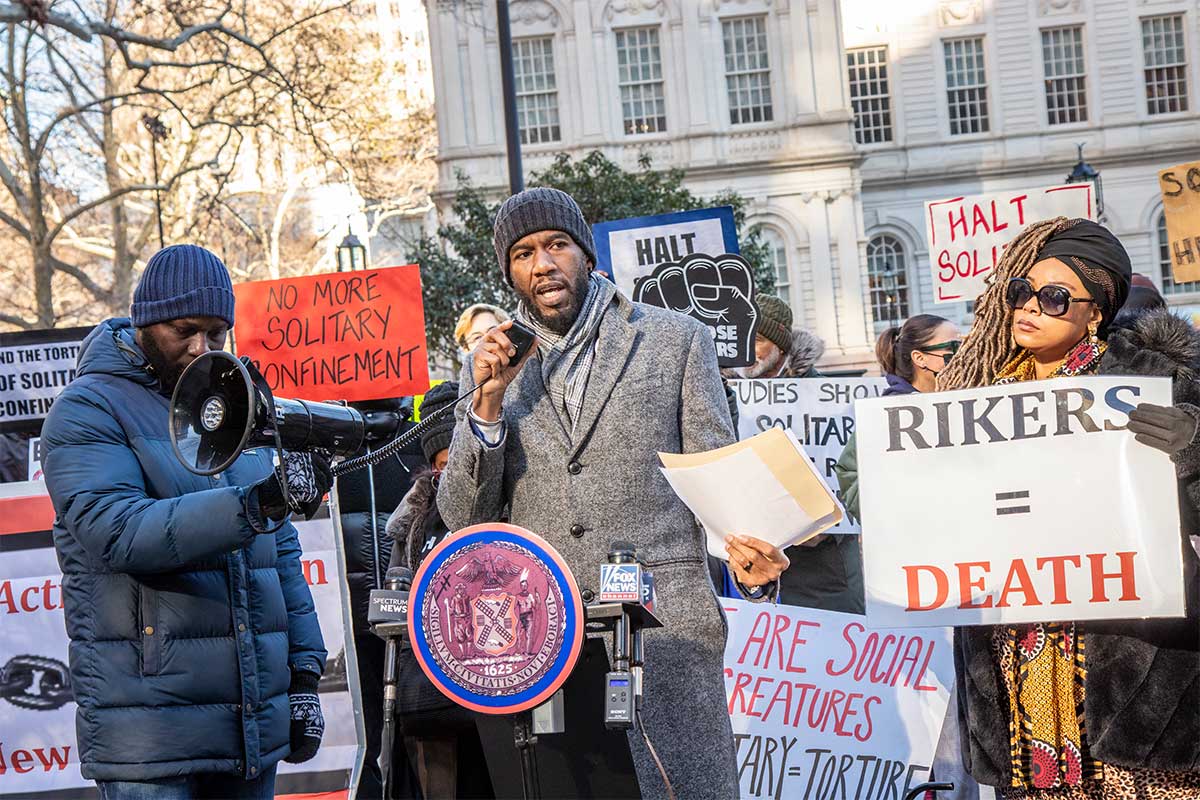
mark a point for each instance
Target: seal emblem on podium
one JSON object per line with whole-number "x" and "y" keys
{"x": 496, "y": 618}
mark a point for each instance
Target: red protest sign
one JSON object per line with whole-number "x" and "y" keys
{"x": 338, "y": 336}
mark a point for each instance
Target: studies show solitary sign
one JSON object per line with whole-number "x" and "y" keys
{"x": 1029, "y": 502}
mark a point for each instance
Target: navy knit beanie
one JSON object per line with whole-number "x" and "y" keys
{"x": 539, "y": 209}
{"x": 183, "y": 280}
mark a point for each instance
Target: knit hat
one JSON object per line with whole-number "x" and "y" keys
{"x": 540, "y": 209}
{"x": 774, "y": 320}
{"x": 437, "y": 437}
{"x": 182, "y": 280}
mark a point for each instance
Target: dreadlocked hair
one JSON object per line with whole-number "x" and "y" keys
{"x": 990, "y": 345}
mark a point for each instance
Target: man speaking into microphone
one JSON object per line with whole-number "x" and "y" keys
{"x": 567, "y": 440}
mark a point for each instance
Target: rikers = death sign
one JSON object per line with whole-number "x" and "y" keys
{"x": 1022, "y": 503}
{"x": 967, "y": 235}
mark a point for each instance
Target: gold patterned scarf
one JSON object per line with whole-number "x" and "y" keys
{"x": 1043, "y": 664}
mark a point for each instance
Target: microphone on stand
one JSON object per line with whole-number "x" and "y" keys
{"x": 624, "y": 580}
{"x": 388, "y": 618}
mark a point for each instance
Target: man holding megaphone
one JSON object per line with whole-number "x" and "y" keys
{"x": 195, "y": 650}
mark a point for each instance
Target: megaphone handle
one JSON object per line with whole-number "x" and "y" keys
{"x": 410, "y": 435}
{"x": 261, "y": 386}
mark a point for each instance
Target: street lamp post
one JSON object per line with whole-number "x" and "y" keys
{"x": 158, "y": 132}
{"x": 1083, "y": 172}
{"x": 351, "y": 255}
{"x": 508, "y": 84}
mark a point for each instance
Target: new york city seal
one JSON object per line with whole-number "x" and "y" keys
{"x": 496, "y": 618}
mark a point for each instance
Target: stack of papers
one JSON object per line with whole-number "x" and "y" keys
{"x": 764, "y": 487}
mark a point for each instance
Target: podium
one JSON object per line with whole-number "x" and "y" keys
{"x": 585, "y": 760}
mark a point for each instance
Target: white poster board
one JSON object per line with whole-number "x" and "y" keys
{"x": 1021, "y": 503}
{"x": 822, "y": 707}
{"x": 967, "y": 235}
{"x": 819, "y": 411}
{"x": 38, "y": 751}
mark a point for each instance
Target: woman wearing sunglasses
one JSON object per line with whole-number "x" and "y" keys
{"x": 1098, "y": 710}
{"x": 911, "y": 356}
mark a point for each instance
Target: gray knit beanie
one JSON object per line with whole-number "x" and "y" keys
{"x": 180, "y": 281}
{"x": 540, "y": 209}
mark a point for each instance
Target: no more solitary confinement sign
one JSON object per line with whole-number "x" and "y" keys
{"x": 340, "y": 336}
{"x": 1022, "y": 503}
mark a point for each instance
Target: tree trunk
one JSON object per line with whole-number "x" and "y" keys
{"x": 123, "y": 259}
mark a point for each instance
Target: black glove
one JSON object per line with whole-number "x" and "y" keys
{"x": 309, "y": 477}
{"x": 308, "y": 724}
{"x": 1165, "y": 428}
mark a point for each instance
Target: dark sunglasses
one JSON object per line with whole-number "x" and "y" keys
{"x": 1054, "y": 301}
{"x": 946, "y": 349}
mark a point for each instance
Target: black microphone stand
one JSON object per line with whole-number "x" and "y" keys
{"x": 388, "y": 617}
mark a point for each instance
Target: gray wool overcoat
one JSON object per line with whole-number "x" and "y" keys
{"x": 654, "y": 386}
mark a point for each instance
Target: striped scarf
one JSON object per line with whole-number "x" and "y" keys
{"x": 567, "y": 360}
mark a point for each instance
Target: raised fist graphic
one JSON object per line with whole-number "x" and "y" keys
{"x": 716, "y": 290}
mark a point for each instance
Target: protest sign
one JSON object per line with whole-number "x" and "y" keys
{"x": 967, "y": 235}
{"x": 716, "y": 290}
{"x": 1181, "y": 206}
{"x": 35, "y": 366}
{"x": 628, "y": 249}
{"x": 35, "y": 459}
{"x": 339, "y": 336}
{"x": 822, "y": 707}
{"x": 1027, "y": 502}
{"x": 819, "y": 411}
{"x": 38, "y": 750}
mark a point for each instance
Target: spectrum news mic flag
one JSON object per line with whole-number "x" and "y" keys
{"x": 387, "y": 615}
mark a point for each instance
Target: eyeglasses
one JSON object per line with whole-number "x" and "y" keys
{"x": 1054, "y": 301}
{"x": 946, "y": 350}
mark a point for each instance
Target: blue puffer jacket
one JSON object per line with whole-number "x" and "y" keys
{"x": 183, "y": 621}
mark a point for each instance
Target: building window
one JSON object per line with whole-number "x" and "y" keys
{"x": 887, "y": 277}
{"x": 1066, "y": 81}
{"x": 537, "y": 91}
{"x": 639, "y": 74}
{"x": 1169, "y": 286}
{"x": 777, "y": 259}
{"x": 966, "y": 86}
{"x": 747, "y": 71}
{"x": 869, "y": 95}
{"x": 1166, "y": 64}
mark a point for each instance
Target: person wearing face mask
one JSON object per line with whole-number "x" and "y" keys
{"x": 1072, "y": 710}
{"x": 438, "y": 735}
{"x": 911, "y": 356}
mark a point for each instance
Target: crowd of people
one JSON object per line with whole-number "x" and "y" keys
{"x": 195, "y": 649}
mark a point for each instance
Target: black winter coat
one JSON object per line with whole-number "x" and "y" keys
{"x": 1142, "y": 702}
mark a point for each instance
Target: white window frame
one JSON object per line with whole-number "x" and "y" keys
{"x": 910, "y": 289}
{"x": 1187, "y": 71}
{"x": 1085, "y": 90}
{"x": 768, "y": 85}
{"x": 991, "y": 115}
{"x": 887, "y": 96}
{"x": 661, "y": 81}
{"x": 552, "y": 91}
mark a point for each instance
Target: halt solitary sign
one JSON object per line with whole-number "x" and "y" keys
{"x": 1029, "y": 502}
{"x": 967, "y": 235}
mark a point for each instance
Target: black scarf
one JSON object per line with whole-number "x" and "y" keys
{"x": 1099, "y": 259}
